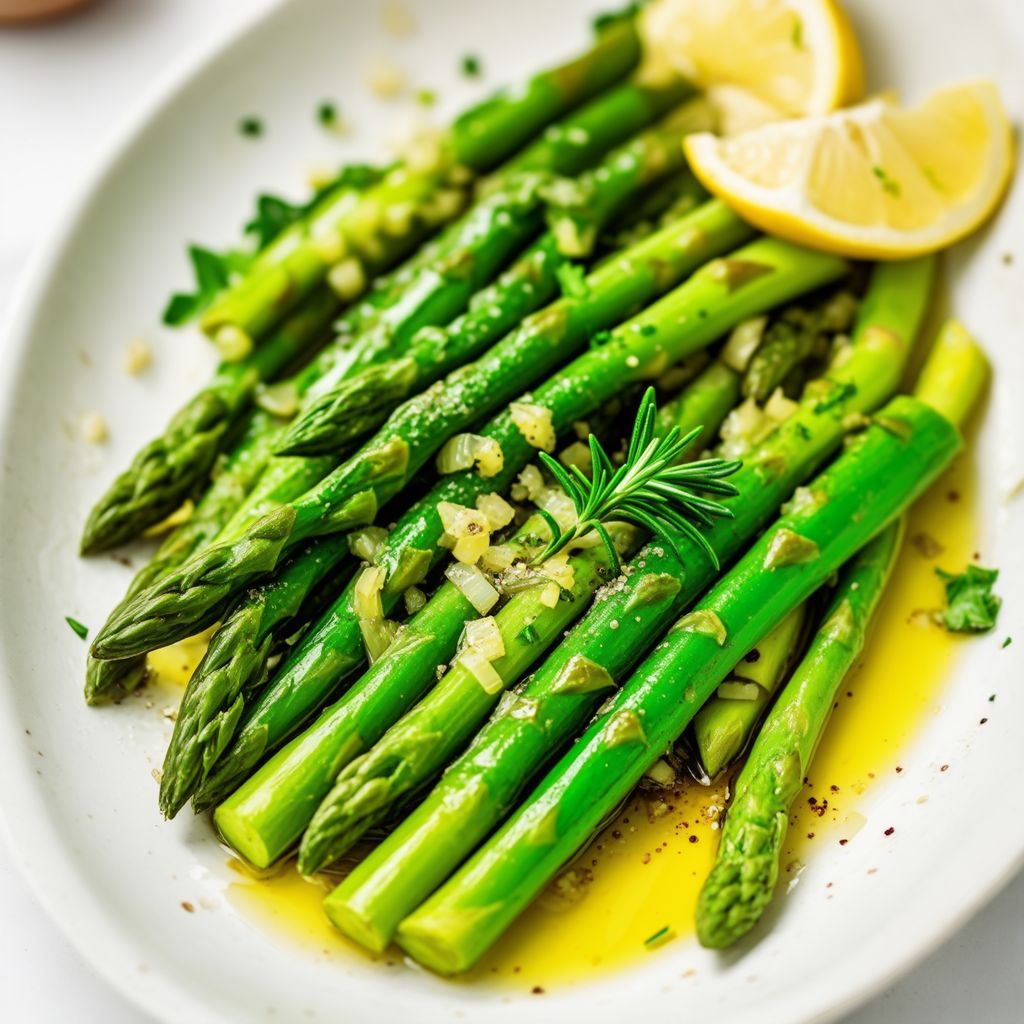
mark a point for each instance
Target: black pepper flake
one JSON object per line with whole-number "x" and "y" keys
{"x": 693, "y": 839}
{"x": 843, "y": 842}
{"x": 952, "y": 496}
{"x": 983, "y": 721}
{"x": 537, "y": 990}
{"x": 889, "y": 831}
{"x": 187, "y": 907}
{"x": 944, "y": 768}
{"x": 898, "y": 769}
{"x": 753, "y": 656}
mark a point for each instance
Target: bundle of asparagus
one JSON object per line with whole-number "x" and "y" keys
{"x": 523, "y": 613}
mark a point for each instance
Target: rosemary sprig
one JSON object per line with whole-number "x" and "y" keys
{"x": 651, "y": 488}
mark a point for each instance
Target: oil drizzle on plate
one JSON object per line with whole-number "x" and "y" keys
{"x": 644, "y": 872}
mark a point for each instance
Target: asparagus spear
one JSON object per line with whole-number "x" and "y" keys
{"x": 172, "y": 467}
{"x": 878, "y": 475}
{"x": 358, "y": 405}
{"x": 579, "y": 208}
{"x": 301, "y": 687}
{"x": 185, "y": 601}
{"x": 725, "y": 723}
{"x": 388, "y": 219}
{"x": 235, "y": 666}
{"x": 796, "y": 335}
{"x": 110, "y": 680}
{"x": 480, "y": 788}
{"x": 740, "y": 885}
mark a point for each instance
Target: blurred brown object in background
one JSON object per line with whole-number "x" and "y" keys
{"x": 35, "y": 10}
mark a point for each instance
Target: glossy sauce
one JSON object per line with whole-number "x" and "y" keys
{"x": 643, "y": 873}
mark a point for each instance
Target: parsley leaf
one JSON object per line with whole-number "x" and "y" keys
{"x": 76, "y": 627}
{"x": 971, "y": 607}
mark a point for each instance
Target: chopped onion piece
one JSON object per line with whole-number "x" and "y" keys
{"x": 662, "y": 773}
{"x": 496, "y": 510}
{"x": 482, "y": 670}
{"x": 779, "y": 408}
{"x": 550, "y": 594}
{"x": 558, "y": 569}
{"x": 366, "y": 600}
{"x": 463, "y": 451}
{"x": 281, "y": 399}
{"x": 743, "y": 342}
{"x": 733, "y": 689}
{"x": 577, "y": 454}
{"x": 484, "y": 637}
{"x": 530, "y": 484}
{"x": 559, "y": 506}
{"x": 742, "y": 429}
{"x": 414, "y": 599}
{"x": 366, "y": 543}
{"x": 498, "y": 557}
{"x": 534, "y": 423}
{"x": 473, "y": 585}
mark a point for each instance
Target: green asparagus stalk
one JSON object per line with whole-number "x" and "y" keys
{"x": 300, "y": 688}
{"x": 740, "y": 885}
{"x": 879, "y": 474}
{"x": 359, "y": 405}
{"x": 413, "y": 750}
{"x": 483, "y": 785}
{"x": 725, "y": 723}
{"x": 658, "y": 206}
{"x": 798, "y": 334}
{"x": 387, "y": 220}
{"x": 110, "y": 680}
{"x": 235, "y": 666}
{"x": 578, "y": 208}
{"x": 350, "y": 496}
{"x": 171, "y": 468}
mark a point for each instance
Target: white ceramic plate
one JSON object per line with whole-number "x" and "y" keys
{"x": 79, "y": 798}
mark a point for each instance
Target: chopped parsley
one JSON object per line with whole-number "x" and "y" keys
{"x": 971, "y": 607}
{"x": 528, "y": 635}
{"x": 426, "y": 97}
{"x": 600, "y": 338}
{"x": 1007, "y": 642}
{"x": 327, "y": 114}
{"x": 470, "y": 66}
{"x": 76, "y": 627}
{"x": 838, "y": 395}
{"x": 250, "y": 127}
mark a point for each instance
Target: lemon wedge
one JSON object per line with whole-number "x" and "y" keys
{"x": 759, "y": 60}
{"x": 875, "y": 181}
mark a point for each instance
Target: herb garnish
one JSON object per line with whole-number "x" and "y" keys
{"x": 250, "y": 127}
{"x": 470, "y": 66}
{"x": 76, "y": 627}
{"x": 971, "y": 605}
{"x": 651, "y": 489}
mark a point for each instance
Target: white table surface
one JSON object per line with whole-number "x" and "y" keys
{"x": 61, "y": 87}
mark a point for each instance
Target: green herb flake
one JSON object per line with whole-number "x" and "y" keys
{"x": 837, "y": 395}
{"x": 888, "y": 184}
{"x": 470, "y": 66}
{"x": 648, "y": 329}
{"x": 76, "y": 627}
{"x": 250, "y": 127}
{"x": 659, "y": 938}
{"x": 572, "y": 280}
{"x": 1007, "y": 642}
{"x": 600, "y": 338}
{"x": 528, "y": 635}
{"x": 426, "y": 97}
{"x": 327, "y": 114}
{"x": 971, "y": 607}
